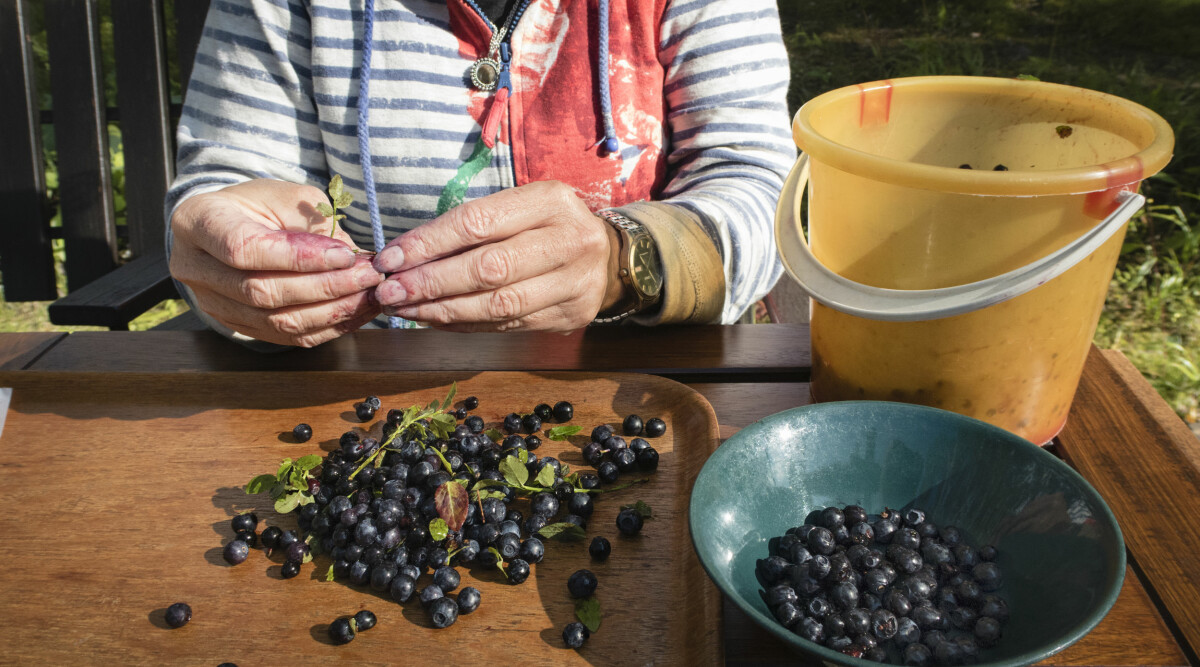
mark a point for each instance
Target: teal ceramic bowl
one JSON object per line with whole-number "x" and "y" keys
{"x": 1060, "y": 548}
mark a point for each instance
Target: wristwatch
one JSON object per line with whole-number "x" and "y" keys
{"x": 640, "y": 267}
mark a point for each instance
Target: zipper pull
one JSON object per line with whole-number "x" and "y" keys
{"x": 505, "y": 59}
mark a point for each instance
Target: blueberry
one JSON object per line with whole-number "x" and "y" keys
{"x": 446, "y": 578}
{"x": 248, "y": 537}
{"x": 470, "y": 402}
{"x": 270, "y": 537}
{"x": 532, "y": 442}
{"x": 402, "y": 588}
{"x": 340, "y": 631}
{"x": 581, "y": 584}
{"x": 854, "y": 514}
{"x": 508, "y": 545}
{"x": 907, "y": 632}
{"x": 235, "y": 552}
{"x": 581, "y": 504}
{"x": 374, "y": 402}
{"x": 512, "y": 422}
{"x": 593, "y": 453}
{"x": 531, "y": 423}
{"x": 365, "y": 620}
{"x": 917, "y": 655}
{"x": 820, "y": 541}
{"x": 988, "y": 575}
{"x": 532, "y": 550}
{"x": 993, "y": 606}
{"x": 431, "y": 593}
{"x": 518, "y": 571}
{"x": 987, "y": 553}
{"x": 632, "y": 425}
{"x": 545, "y": 504}
{"x": 858, "y": 622}
{"x": 625, "y": 459}
{"x": 600, "y": 548}
{"x": 629, "y": 522}
{"x": 289, "y": 569}
{"x": 819, "y": 608}
{"x": 602, "y": 433}
{"x": 382, "y": 576}
{"x": 914, "y": 517}
{"x": 364, "y": 412}
{"x": 832, "y": 518}
{"x": 787, "y": 614}
{"x": 608, "y": 472}
{"x": 654, "y": 427}
{"x": 468, "y": 600}
{"x": 179, "y": 614}
{"x": 809, "y": 628}
{"x": 443, "y": 612}
{"x": 844, "y": 595}
{"x": 534, "y": 523}
{"x": 987, "y": 631}
{"x": 475, "y": 423}
{"x": 834, "y": 624}
{"x": 297, "y": 551}
{"x": 563, "y": 411}
{"x": 883, "y": 624}
{"x": 927, "y": 617}
{"x": 575, "y": 634}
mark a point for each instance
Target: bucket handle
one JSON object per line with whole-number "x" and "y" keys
{"x": 892, "y": 305}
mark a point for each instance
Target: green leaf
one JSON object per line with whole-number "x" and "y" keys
{"x": 567, "y": 532}
{"x": 480, "y": 496}
{"x": 438, "y": 529}
{"x": 514, "y": 471}
{"x": 452, "y": 502}
{"x": 325, "y": 210}
{"x": 450, "y": 396}
{"x": 1027, "y": 77}
{"x": 433, "y": 406}
{"x": 495, "y": 434}
{"x": 499, "y": 560}
{"x": 442, "y": 424}
{"x": 344, "y": 200}
{"x": 619, "y": 486}
{"x": 335, "y": 187}
{"x": 587, "y": 610}
{"x": 284, "y": 469}
{"x": 309, "y": 462}
{"x": 329, "y": 574}
{"x": 445, "y": 463}
{"x": 306, "y": 498}
{"x": 278, "y": 490}
{"x": 260, "y": 484}
{"x": 307, "y": 557}
{"x": 287, "y": 503}
{"x": 545, "y": 476}
{"x": 563, "y": 432}
{"x": 640, "y": 507}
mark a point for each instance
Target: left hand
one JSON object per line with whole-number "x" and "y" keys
{"x": 528, "y": 258}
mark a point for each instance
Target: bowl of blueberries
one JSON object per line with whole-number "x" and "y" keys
{"x": 905, "y": 534}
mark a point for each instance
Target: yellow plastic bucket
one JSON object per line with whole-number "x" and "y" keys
{"x": 973, "y": 289}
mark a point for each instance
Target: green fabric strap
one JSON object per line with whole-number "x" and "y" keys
{"x": 456, "y": 190}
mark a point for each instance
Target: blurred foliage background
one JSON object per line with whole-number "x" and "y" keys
{"x": 1147, "y": 51}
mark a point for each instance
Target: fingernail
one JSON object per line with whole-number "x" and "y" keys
{"x": 366, "y": 277}
{"x": 391, "y": 292}
{"x": 390, "y": 260}
{"x": 339, "y": 258}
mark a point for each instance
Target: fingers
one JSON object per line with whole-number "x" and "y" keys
{"x": 484, "y": 221}
{"x": 243, "y": 238}
{"x": 305, "y": 325}
{"x": 534, "y": 304}
{"x": 274, "y": 289}
{"x": 531, "y": 253}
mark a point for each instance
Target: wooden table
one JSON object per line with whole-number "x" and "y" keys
{"x": 1120, "y": 435}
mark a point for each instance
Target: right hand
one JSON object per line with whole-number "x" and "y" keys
{"x": 259, "y": 259}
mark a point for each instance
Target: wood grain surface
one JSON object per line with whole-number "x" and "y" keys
{"x": 1144, "y": 466}
{"x": 120, "y": 488}
{"x": 759, "y": 353}
{"x": 18, "y": 349}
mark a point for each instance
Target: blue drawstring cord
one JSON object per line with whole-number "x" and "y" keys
{"x": 610, "y": 133}
{"x": 364, "y": 136}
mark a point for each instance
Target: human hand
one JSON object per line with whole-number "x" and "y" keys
{"x": 531, "y": 257}
{"x": 259, "y": 259}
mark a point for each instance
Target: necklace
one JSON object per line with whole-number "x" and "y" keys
{"x": 485, "y": 72}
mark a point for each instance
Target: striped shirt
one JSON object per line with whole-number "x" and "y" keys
{"x": 698, "y": 90}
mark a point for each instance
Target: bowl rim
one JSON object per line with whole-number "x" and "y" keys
{"x": 797, "y": 642}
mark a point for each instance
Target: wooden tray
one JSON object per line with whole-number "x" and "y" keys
{"x": 118, "y": 490}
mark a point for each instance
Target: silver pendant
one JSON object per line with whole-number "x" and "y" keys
{"x": 485, "y": 74}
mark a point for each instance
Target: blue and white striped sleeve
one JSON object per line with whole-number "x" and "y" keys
{"x": 730, "y": 146}
{"x": 249, "y": 111}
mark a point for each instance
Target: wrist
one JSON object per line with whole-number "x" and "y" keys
{"x": 615, "y": 291}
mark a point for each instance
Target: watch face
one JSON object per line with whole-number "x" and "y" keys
{"x": 645, "y": 266}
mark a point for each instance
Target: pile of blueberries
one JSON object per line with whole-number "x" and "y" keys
{"x": 374, "y": 521}
{"x": 890, "y": 587}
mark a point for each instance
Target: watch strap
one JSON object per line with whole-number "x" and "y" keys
{"x": 626, "y": 230}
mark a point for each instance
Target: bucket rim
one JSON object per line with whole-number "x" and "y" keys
{"x": 1076, "y": 180}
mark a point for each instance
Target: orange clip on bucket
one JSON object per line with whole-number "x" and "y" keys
{"x": 963, "y": 233}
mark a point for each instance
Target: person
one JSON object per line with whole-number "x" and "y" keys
{"x": 512, "y": 164}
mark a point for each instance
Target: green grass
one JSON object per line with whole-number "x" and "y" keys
{"x": 1134, "y": 50}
